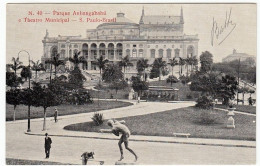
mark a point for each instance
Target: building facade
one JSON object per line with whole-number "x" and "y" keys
{"x": 153, "y": 37}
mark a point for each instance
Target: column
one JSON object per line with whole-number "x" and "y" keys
{"x": 106, "y": 53}
{"x": 89, "y": 60}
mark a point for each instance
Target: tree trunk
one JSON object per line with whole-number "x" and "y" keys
{"x": 243, "y": 98}
{"x": 124, "y": 71}
{"x": 55, "y": 70}
{"x": 35, "y": 75}
{"x": 44, "y": 120}
{"x": 50, "y": 72}
{"x": 172, "y": 70}
{"x": 14, "y": 113}
{"x": 116, "y": 94}
{"x": 160, "y": 71}
{"x": 187, "y": 70}
{"x": 100, "y": 72}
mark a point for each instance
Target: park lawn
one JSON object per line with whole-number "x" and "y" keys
{"x": 241, "y": 108}
{"x": 37, "y": 112}
{"x": 184, "y": 120}
{"x": 11, "y": 161}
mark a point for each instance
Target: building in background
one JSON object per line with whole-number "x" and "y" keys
{"x": 241, "y": 56}
{"x": 153, "y": 37}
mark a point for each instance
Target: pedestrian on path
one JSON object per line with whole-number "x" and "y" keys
{"x": 47, "y": 145}
{"x": 56, "y": 115}
{"x": 118, "y": 127}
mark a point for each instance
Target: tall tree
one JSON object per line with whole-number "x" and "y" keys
{"x": 117, "y": 85}
{"x": 182, "y": 62}
{"x": 55, "y": 60}
{"x": 101, "y": 62}
{"x": 43, "y": 97}
{"x": 158, "y": 69}
{"x": 37, "y": 66}
{"x": 112, "y": 72}
{"x": 76, "y": 78}
{"x": 142, "y": 64}
{"x": 206, "y": 61}
{"x": 125, "y": 62}
{"x": 16, "y": 65}
{"x": 26, "y": 73}
{"x": 139, "y": 86}
{"x": 12, "y": 80}
{"x": 13, "y": 98}
{"x": 194, "y": 63}
{"x": 173, "y": 62}
{"x": 76, "y": 60}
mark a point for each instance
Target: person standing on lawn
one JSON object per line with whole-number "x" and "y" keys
{"x": 56, "y": 115}
{"x": 47, "y": 145}
{"x": 118, "y": 127}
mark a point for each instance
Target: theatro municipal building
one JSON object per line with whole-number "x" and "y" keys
{"x": 153, "y": 37}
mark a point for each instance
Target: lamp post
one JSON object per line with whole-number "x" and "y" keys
{"x": 29, "y": 106}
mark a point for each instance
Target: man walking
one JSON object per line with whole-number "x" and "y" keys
{"x": 119, "y": 127}
{"x": 47, "y": 145}
{"x": 56, "y": 115}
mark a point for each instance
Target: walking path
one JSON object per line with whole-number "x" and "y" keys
{"x": 17, "y": 147}
{"x": 237, "y": 112}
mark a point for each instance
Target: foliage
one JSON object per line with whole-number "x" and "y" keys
{"x": 172, "y": 79}
{"x": 182, "y": 62}
{"x": 37, "y": 66}
{"x": 138, "y": 85}
{"x": 16, "y": 64}
{"x": 13, "y": 97}
{"x": 159, "y": 67}
{"x": 173, "y": 62}
{"x": 12, "y": 80}
{"x": 26, "y": 73}
{"x": 79, "y": 97}
{"x": 76, "y": 60}
{"x": 141, "y": 65}
{"x": 204, "y": 102}
{"x": 101, "y": 62}
{"x": 76, "y": 78}
{"x": 207, "y": 117}
{"x": 112, "y": 73}
{"x": 215, "y": 84}
{"x": 184, "y": 79}
{"x": 117, "y": 85}
{"x": 98, "y": 118}
{"x": 125, "y": 62}
{"x": 206, "y": 61}
{"x": 55, "y": 60}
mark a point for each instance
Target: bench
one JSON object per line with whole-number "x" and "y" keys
{"x": 182, "y": 134}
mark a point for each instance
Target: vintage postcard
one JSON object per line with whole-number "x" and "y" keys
{"x": 131, "y": 84}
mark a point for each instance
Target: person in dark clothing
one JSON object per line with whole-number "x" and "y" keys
{"x": 56, "y": 115}
{"x": 47, "y": 145}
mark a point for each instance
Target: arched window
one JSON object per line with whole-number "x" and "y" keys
{"x": 160, "y": 53}
{"x": 93, "y": 50}
{"x": 85, "y": 50}
{"x": 70, "y": 53}
{"x": 169, "y": 53}
{"x": 62, "y": 53}
{"x": 119, "y": 48}
{"x": 190, "y": 51}
{"x": 177, "y": 53}
{"x": 127, "y": 52}
{"x": 110, "y": 51}
{"x": 134, "y": 52}
{"x": 141, "y": 51}
{"x": 54, "y": 51}
{"x": 102, "y": 49}
{"x": 152, "y": 53}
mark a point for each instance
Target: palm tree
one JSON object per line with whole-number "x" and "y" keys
{"x": 101, "y": 62}
{"x": 142, "y": 64}
{"x": 37, "y": 66}
{"x": 188, "y": 61}
{"x": 56, "y": 62}
{"x": 181, "y": 63}
{"x": 125, "y": 62}
{"x": 16, "y": 64}
{"x": 160, "y": 64}
{"x": 173, "y": 62}
{"x": 76, "y": 60}
{"x": 194, "y": 62}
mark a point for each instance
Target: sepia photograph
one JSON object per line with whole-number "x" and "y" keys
{"x": 130, "y": 84}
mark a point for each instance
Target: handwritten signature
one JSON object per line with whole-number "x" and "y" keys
{"x": 219, "y": 33}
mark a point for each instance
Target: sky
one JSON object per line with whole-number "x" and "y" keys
{"x": 239, "y": 34}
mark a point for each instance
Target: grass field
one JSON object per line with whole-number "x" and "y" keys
{"x": 241, "y": 108}
{"x": 184, "y": 120}
{"x": 10, "y": 161}
{"x": 37, "y": 112}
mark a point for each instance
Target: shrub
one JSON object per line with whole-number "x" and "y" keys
{"x": 184, "y": 79}
{"x": 204, "y": 102}
{"x": 206, "y": 117}
{"x": 172, "y": 79}
{"x": 98, "y": 119}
